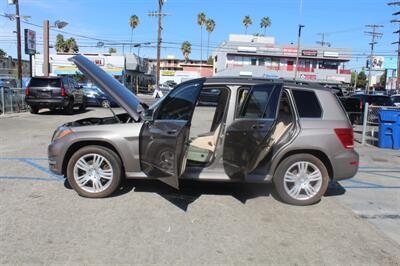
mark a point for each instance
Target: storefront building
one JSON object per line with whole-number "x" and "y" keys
{"x": 259, "y": 56}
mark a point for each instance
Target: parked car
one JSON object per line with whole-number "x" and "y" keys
{"x": 395, "y": 99}
{"x": 54, "y": 93}
{"x": 96, "y": 97}
{"x": 296, "y": 136}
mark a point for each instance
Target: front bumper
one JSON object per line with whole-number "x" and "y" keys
{"x": 345, "y": 165}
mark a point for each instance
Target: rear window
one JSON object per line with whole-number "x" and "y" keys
{"x": 40, "y": 82}
{"x": 307, "y": 104}
{"x": 379, "y": 100}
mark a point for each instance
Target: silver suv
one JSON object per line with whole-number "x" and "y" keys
{"x": 244, "y": 130}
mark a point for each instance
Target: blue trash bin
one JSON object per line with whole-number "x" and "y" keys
{"x": 389, "y": 129}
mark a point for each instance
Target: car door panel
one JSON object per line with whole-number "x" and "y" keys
{"x": 247, "y": 136}
{"x": 164, "y": 139}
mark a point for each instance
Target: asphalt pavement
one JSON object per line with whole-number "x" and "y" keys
{"x": 43, "y": 221}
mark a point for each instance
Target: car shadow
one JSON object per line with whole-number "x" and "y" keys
{"x": 61, "y": 112}
{"x": 190, "y": 190}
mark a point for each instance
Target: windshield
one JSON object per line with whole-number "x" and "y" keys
{"x": 45, "y": 82}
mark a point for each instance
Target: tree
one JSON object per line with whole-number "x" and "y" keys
{"x": 265, "y": 23}
{"x": 210, "y": 26}
{"x": 60, "y": 44}
{"x": 112, "y": 50}
{"x": 353, "y": 78}
{"x": 71, "y": 46}
{"x": 133, "y": 23}
{"x": 186, "y": 49}
{"x": 361, "y": 79}
{"x": 382, "y": 80}
{"x": 201, "y": 21}
{"x": 247, "y": 22}
{"x": 2, "y": 53}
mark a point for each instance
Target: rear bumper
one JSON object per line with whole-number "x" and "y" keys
{"x": 51, "y": 102}
{"x": 345, "y": 165}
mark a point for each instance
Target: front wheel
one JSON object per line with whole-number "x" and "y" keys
{"x": 94, "y": 171}
{"x": 301, "y": 179}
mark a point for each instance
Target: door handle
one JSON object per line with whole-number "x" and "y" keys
{"x": 172, "y": 131}
{"x": 257, "y": 126}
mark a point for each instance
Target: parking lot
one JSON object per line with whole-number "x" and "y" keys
{"x": 43, "y": 221}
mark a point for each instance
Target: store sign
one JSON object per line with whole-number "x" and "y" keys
{"x": 289, "y": 50}
{"x": 309, "y": 52}
{"x": 308, "y": 77}
{"x": 271, "y": 49}
{"x": 331, "y": 54}
{"x": 98, "y": 61}
{"x": 378, "y": 62}
{"x": 30, "y": 42}
{"x": 247, "y": 49}
{"x": 168, "y": 73}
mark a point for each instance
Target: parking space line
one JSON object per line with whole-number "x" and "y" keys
{"x": 28, "y": 178}
{"x": 368, "y": 184}
{"x": 41, "y": 168}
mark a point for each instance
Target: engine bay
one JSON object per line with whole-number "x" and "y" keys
{"x": 92, "y": 121}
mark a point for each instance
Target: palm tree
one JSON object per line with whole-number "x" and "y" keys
{"x": 247, "y": 22}
{"x": 210, "y": 26}
{"x": 60, "y": 44}
{"x": 71, "y": 46}
{"x": 186, "y": 49}
{"x": 265, "y": 23}
{"x": 133, "y": 23}
{"x": 201, "y": 21}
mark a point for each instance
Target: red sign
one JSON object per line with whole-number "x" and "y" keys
{"x": 308, "y": 77}
{"x": 289, "y": 50}
{"x": 309, "y": 52}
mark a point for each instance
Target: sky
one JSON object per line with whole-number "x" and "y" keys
{"x": 91, "y": 21}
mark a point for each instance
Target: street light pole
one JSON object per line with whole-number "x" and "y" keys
{"x": 298, "y": 51}
{"x": 46, "y": 65}
{"x": 19, "y": 55}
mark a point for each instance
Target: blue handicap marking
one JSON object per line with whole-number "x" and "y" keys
{"x": 31, "y": 162}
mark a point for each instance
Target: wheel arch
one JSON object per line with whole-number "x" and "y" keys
{"x": 317, "y": 153}
{"x": 80, "y": 144}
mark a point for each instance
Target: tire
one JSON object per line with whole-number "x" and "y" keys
{"x": 69, "y": 110}
{"x": 82, "y": 108}
{"x": 34, "y": 110}
{"x": 286, "y": 186}
{"x": 89, "y": 189}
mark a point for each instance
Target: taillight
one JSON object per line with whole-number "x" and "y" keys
{"x": 62, "y": 92}
{"x": 346, "y": 137}
{"x": 27, "y": 91}
{"x": 361, "y": 105}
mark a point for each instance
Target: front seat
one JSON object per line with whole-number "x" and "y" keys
{"x": 203, "y": 146}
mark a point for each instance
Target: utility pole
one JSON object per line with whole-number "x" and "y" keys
{"x": 159, "y": 14}
{"x": 323, "y": 42}
{"x": 398, "y": 45}
{"x": 19, "y": 55}
{"x": 298, "y": 51}
{"x": 374, "y": 34}
{"x": 46, "y": 67}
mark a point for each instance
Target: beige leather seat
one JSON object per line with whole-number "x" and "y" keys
{"x": 202, "y": 148}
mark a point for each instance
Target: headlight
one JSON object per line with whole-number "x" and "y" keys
{"x": 61, "y": 132}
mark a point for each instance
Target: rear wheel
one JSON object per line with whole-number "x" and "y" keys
{"x": 69, "y": 110}
{"x": 94, "y": 172}
{"x": 83, "y": 105}
{"x": 301, "y": 179}
{"x": 34, "y": 110}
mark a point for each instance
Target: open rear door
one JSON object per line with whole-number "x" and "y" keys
{"x": 164, "y": 139}
{"x": 249, "y": 133}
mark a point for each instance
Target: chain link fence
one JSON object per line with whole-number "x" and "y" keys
{"x": 368, "y": 131}
{"x": 12, "y": 100}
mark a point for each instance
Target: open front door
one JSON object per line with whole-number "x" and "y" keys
{"x": 250, "y": 131}
{"x": 164, "y": 139}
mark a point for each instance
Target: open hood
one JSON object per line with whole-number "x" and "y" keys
{"x": 124, "y": 97}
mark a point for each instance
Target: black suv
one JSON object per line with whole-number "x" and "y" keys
{"x": 54, "y": 93}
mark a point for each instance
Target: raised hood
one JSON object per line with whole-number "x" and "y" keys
{"x": 124, "y": 97}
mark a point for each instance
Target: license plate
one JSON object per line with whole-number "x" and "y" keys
{"x": 44, "y": 94}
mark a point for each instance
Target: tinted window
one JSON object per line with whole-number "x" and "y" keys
{"x": 43, "y": 82}
{"x": 307, "y": 104}
{"x": 261, "y": 102}
{"x": 179, "y": 103}
{"x": 379, "y": 100}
